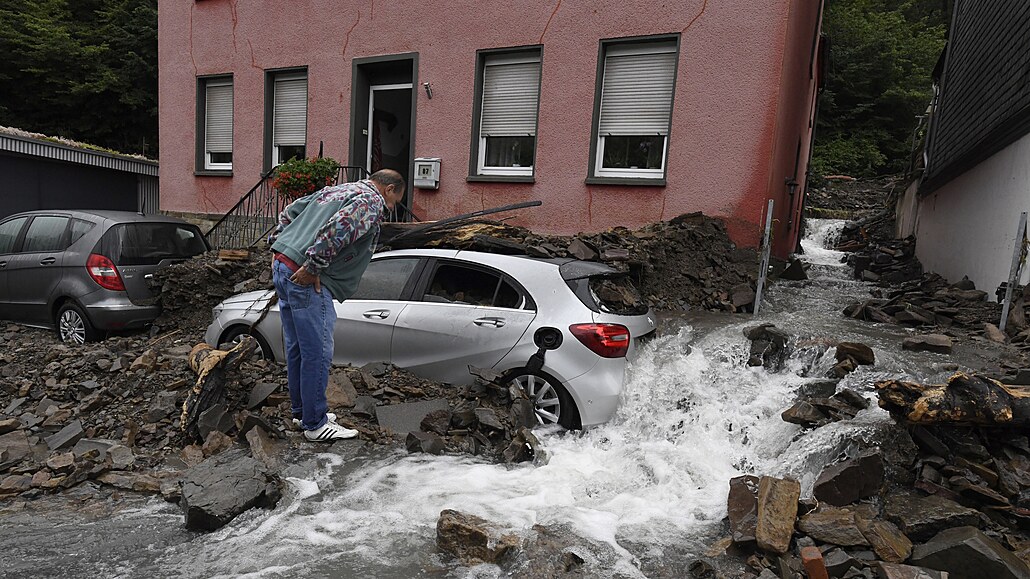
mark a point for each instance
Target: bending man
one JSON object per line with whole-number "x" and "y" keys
{"x": 320, "y": 248}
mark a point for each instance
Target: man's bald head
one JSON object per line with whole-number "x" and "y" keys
{"x": 390, "y": 184}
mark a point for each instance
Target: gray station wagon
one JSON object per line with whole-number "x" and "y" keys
{"x": 86, "y": 272}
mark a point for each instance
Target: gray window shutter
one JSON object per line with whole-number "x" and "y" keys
{"x": 636, "y": 97}
{"x": 510, "y": 94}
{"x": 289, "y": 126}
{"x": 218, "y": 127}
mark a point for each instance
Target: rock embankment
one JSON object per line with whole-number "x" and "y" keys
{"x": 943, "y": 494}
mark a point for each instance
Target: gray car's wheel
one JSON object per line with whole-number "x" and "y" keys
{"x": 233, "y": 335}
{"x": 552, "y": 402}
{"x": 73, "y": 326}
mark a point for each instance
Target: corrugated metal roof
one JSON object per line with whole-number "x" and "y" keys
{"x": 49, "y": 150}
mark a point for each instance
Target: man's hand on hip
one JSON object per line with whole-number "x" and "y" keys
{"x": 302, "y": 277}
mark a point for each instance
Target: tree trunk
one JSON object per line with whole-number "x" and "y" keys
{"x": 965, "y": 399}
{"x": 212, "y": 367}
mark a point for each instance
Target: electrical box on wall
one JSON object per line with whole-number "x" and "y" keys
{"x": 427, "y": 172}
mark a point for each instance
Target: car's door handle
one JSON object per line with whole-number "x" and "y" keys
{"x": 3, "y": 264}
{"x": 381, "y": 314}
{"x": 47, "y": 260}
{"x": 495, "y": 322}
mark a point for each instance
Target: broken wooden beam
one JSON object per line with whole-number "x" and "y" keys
{"x": 212, "y": 367}
{"x": 966, "y": 399}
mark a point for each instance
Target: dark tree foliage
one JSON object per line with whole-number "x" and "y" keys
{"x": 81, "y": 69}
{"x": 878, "y": 82}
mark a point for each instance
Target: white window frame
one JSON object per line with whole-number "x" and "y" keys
{"x": 208, "y": 83}
{"x": 522, "y": 57}
{"x": 280, "y": 77}
{"x": 634, "y": 49}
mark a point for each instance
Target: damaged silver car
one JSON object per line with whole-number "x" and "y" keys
{"x": 561, "y": 328}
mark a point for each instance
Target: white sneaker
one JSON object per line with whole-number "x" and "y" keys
{"x": 329, "y": 416}
{"x": 329, "y": 432}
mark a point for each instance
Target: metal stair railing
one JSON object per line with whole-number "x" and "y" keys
{"x": 252, "y": 218}
{"x": 256, "y": 213}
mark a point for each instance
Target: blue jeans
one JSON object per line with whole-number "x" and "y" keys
{"x": 308, "y": 318}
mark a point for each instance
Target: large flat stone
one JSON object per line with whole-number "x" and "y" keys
{"x": 473, "y": 540}
{"x": 832, "y": 525}
{"x": 742, "y": 508}
{"x": 67, "y": 436}
{"x": 85, "y": 445}
{"x": 407, "y": 417}
{"x": 777, "y": 509}
{"x": 967, "y": 553}
{"x": 14, "y": 446}
{"x": 887, "y": 540}
{"x": 938, "y": 343}
{"x": 848, "y": 481}
{"x": 897, "y": 571}
{"x": 921, "y": 517}
{"x": 217, "y": 490}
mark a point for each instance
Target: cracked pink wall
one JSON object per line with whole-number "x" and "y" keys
{"x": 743, "y": 99}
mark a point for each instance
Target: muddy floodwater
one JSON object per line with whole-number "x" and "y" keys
{"x": 642, "y": 496}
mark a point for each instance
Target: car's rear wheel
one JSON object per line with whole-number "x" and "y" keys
{"x": 551, "y": 402}
{"x": 234, "y": 334}
{"x": 73, "y": 326}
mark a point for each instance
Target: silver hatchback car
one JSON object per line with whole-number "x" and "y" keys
{"x": 437, "y": 312}
{"x": 86, "y": 272}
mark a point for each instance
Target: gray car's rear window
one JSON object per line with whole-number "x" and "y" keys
{"x": 150, "y": 243}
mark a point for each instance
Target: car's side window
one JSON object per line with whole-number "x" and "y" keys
{"x": 453, "y": 283}
{"x": 80, "y": 227}
{"x": 9, "y": 231}
{"x": 46, "y": 233}
{"x": 384, "y": 279}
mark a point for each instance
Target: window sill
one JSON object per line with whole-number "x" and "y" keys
{"x": 634, "y": 181}
{"x": 213, "y": 173}
{"x": 501, "y": 179}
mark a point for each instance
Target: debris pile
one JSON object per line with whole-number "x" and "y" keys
{"x": 188, "y": 290}
{"x": 952, "y": 482}
{"x": 842, "y": 197}
{"x": 687, "y": 262}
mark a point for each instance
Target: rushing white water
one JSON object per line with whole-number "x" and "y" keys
{"x": 820, "y": 236}
{"x": 651, "y": 484}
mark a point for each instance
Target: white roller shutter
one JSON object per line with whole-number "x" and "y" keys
{"x": 510, "y": 95}
{"x": 636, "y": 97}
{"x": 289, "y": 126}
{"x": 218, "y": 127}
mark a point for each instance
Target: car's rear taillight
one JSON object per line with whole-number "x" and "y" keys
{"x": 605, "y": 340}
{"x": 104, "y": 272}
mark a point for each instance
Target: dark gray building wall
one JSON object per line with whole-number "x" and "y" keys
{"x": 985, "y": 93}
{"x": 34, "y": 183}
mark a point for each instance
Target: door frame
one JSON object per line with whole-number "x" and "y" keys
{"x": 360, "y": 85}
{"x": 371, "y": 109}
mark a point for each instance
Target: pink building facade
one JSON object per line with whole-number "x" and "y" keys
{"x": 611, "y": 113}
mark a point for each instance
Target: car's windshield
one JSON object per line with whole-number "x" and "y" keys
{"x": 150, "y": 243}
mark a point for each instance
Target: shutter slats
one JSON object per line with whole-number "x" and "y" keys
{"x": 510, "y": 94}
{"x": 636, "y": 97}
{"x": 289, "y": 126}
{"x": 218, "y": 128}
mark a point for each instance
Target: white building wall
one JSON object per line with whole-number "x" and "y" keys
{"x": 968, "y": 226}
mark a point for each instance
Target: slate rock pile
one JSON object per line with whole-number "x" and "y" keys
{"x": 929, "y": 302}
{"x": 188, "y": 290}
{"x": 490, "y": 418}
{"x": 843, "y": 197}
{"x": 890, "y": 261}
{"x": 107, "y": 412}
{"x": 685, "y": 263}
{"x": 932, "y": 498}
{"x": 860, "y": 522}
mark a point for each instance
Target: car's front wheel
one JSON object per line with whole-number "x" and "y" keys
{"x": 551, "y": 402}
{"x": 235, "y": 333}
{"x": 73, "y": 326}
